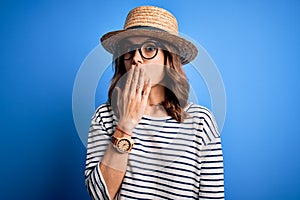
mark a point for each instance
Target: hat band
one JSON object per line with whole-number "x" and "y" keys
{"x": 147, "y": 28}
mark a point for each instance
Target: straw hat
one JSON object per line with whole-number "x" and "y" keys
{"x": 153, "y": 22}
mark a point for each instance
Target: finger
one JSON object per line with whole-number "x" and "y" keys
{"x": 129, "y": 79}
{"x": 146, "y": 91}
{"x": 134, "y": 80}
{"x": 119, "y": 93}
{"x": 141, "y": 82}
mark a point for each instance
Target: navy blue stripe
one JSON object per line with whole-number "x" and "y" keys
{"x": 94, "y": 130}
{"x": 159, "y": 183}
{"x": 150, "y": 123}
{"x": 133, "y": 198}
{"x": 160, "y": 142}
{"x": 169, "y": 173}
{"x": 206, "y": 135}
{"x": 169, "y": 167}
{"x": 212, "y": 179}
{"x": 212, "y": 168}
{"x": 173, "y": 127}
{"x": 135, "y": 191}
{"x": 97, "y": 184}
{"x": 162, "y": 178}
{"x": 185, "y": 170}
{"x": 157, "y": 189}
{"x": 212, "y": 186}
{"x": 215, "y": 161}
{"x": 207, "y": 197}
{"x": 209, "y": 174}
{"x": 181, "y": 131}
{"x": 156, "y": 120}
{"x": 93, "y": 185}
{"x": 211, "y": 192}
{"x": 102, "y": 184}
{"x": 209, "y": 116}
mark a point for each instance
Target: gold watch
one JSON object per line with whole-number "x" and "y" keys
{"x": 122, "y": 144}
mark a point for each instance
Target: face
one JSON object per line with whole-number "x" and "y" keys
{"x": 144, "y": 52}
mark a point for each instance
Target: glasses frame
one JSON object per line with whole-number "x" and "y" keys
{"x": 139, "y": 48}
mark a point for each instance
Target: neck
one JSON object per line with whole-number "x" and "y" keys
{"x": 157, "y": 95}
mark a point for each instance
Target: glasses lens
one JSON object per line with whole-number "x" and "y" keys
{"x": 149, "y": 50}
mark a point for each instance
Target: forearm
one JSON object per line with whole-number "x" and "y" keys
{"x": 113, "y": 168}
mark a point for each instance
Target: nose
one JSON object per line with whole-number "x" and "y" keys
{"x": 137, "y": 58}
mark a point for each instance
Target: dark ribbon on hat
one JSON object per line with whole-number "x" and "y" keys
{"x": 146, "y": 28}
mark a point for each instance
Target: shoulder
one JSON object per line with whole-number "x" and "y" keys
{"x": 195, "y": 110}
{"x": 207, "y": 126}
{"x": 103, "y": 108}
{"x": 203, "y": 115}
{"x": 104, "y": 112}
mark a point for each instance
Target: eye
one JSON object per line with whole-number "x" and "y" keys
{"x": 150, "y": 47}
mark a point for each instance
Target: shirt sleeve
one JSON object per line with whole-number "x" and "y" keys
{"x": 98, "y": 140}
{"x": 212, "y": 175}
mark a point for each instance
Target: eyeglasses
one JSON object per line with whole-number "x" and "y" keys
{"x": 148, "y": 50}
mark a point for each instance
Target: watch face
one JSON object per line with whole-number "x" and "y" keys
{"x": 124, "y": 145}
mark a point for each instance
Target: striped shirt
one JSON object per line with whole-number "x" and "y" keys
{"x": 169, "y": 159}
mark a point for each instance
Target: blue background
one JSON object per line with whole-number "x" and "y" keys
{"x": 255, "y": 45}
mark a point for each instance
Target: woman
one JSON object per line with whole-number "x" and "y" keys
{"x": 147, "y": 141}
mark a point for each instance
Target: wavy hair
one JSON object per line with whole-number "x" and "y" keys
{"x": 175, "y": 83}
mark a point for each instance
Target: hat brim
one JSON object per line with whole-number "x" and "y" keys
{"x": 187, "y": 50}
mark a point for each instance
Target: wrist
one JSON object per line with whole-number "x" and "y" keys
{"x": 126, "y": 126}
{"x": 121, "y": 133}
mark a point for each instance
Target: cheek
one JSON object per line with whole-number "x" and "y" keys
{"x": 127, "y": 65}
